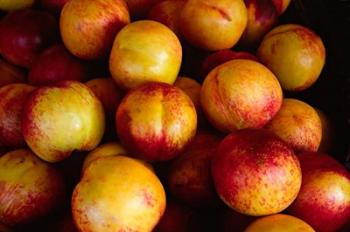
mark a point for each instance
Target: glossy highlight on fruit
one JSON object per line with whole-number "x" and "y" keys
{"x": 61, "y": 118}
{"x": 324, "y": 197}
{"x": 295, "y": 54}
{"x": 118, "y": 193}
{"x": 145, "y": 51}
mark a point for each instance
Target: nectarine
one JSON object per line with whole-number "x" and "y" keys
{"x": 240, "y": 94}
{"x": 145, "y": 51}
{"x": 156, "y": 121}
{"x": 118, "y": 193}
{"x": 295, "y": 54}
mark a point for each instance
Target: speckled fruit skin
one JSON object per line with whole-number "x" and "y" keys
{"x": 29, "y": 187}
{"x": 118, "y": 193}
{"x": 156, "y": 121}
{"x": 278, "y": 223}
{"x": 189, "y": 177}
{"x": 298, "y": 124}
{"x": 295, "y": 54}
{"x": 11, "y": 5}
{"x": 145, "y": 51}
{"x": 60, "y": 118}
{"x": 56, "y": 64}
{"x": 220, "y": 57}
{"x": 324, "y": 197}
{"x": 256, "y": 173}
{"x": 10, "y": 74}
{"x": 109, "y": 94}
{"x": 88, "y": 27}
{"x": 139, "y": 8}
{"x": 240, "y": 94}
{"x": 167, "y": 12}
{"x": 262, "y": 15}
{"x": 213, "y": 24}
{"x": 107, "y": 149}
{"x": 24, "y": 34}
{"x": 281, "y": 5}
{"x": 13, "y": 97}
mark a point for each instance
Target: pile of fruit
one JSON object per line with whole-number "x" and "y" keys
{"x": 163, "y": 115}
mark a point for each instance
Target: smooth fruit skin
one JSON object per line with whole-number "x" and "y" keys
{"x": 10, "y": 74}
{"x": 107, "y": 149}
{"x": 278, "y": 223}
{"x": 167, "y": 13}
{"x": 281, "y": 5}
{"x": 24, "y": 34}
{"x": 60, "y": 118}
{"x": 29, "y": 187}
{"x": 256, "y": 173}
{"x": 190, "y": 177}
{"x": 109, "y": 94}
{"x": 56, "y": 64}
{"x": 262, "y": 15}
{"x": 295, "y": 54}
{"x": 145, "y": 51}
{"x": 298, "y": 124}
{"x": 213, "y": 24}
{"x": 324, "y": 197}
{"x": 240, "y": 94}
{"x": 220, "y": 57}
{"x": 88, "y": 27}
{"x": 156, "y": 121}
{"x": 118, "y": 193}
{"x": 13, "y": 97}
{"x": 11, "y": 5}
